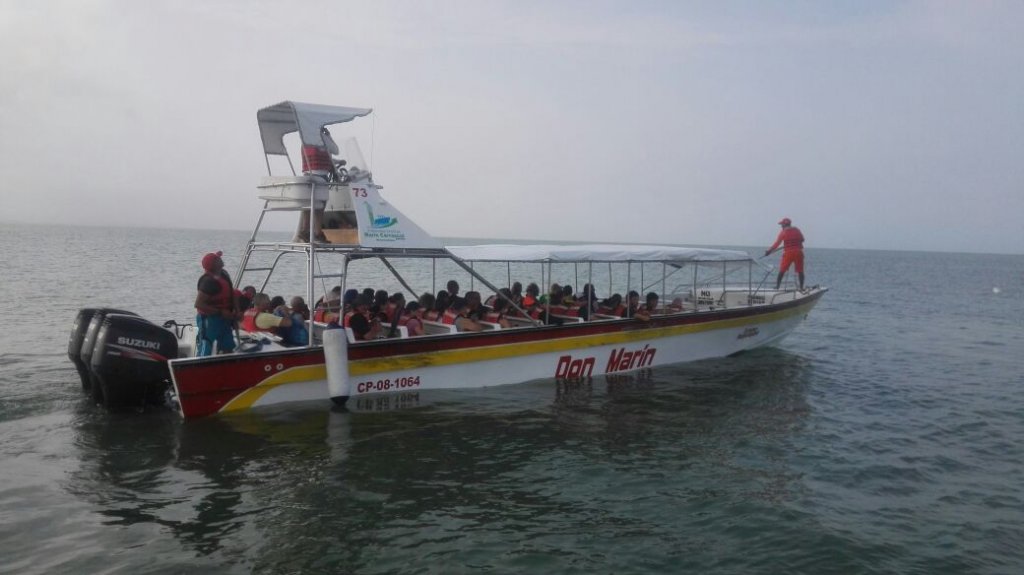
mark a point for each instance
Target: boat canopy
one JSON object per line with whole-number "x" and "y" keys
{"x": 593, "y": 253}
{"x": 287, "y": 117}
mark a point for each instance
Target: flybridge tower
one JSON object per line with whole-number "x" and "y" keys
{"x": 339, "y": 198}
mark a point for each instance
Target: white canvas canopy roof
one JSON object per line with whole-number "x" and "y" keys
{"x": 287, "y": 117}
{"x": 593, "y": 253}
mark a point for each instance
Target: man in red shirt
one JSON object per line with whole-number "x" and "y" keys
{"x": 792, "y": 251}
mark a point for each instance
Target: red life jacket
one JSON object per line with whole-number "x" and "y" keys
{"x": 449, "y": 317}
{"x": 348, "y": 317}
{"x": 316, "y": 159}
{"x": 223, "y": 299}
{"x": 557, "y": 309}
{"x": 493, "y": 317}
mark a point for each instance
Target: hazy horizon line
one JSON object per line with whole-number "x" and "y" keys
{"x": 497, "y": 240}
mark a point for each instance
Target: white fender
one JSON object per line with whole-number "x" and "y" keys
{"x": 336, "y": 360}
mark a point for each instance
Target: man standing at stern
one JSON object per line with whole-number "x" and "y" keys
{"x": 792, "y": 242}
{"x": 216, "y": 309}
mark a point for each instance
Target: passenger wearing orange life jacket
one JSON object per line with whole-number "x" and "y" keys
{"x": 259, "y": 318}
{"x": 453, "y": 312}
{"x": 363, "y": 327}
{"x": 531, "y": 302}
{"x": 792, "y": 242}
{"x": 497, "y": 313}
{"x": 328, "y": 309}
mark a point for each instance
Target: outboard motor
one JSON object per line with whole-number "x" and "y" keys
{"x": 80, "y": 344}
{"x": 129, "y": 361}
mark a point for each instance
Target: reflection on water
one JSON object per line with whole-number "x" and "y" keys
{"x": 262, "y": 488}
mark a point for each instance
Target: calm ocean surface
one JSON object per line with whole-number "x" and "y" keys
{"x": 884, "y": 436}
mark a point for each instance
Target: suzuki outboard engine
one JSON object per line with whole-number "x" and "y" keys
{"x": 80, "y": 343}
{"x": 129, "y": 361}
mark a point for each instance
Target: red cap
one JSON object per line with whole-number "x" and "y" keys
{"x": 785, "y": 222}
{"x": 209, "y": 258}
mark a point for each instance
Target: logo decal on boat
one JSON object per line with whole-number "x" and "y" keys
{"x": 379, "y": 222}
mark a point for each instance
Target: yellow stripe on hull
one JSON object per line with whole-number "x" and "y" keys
{"x": 248, "y": 398}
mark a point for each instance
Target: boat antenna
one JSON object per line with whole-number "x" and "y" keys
{"x": 373, "y": 138}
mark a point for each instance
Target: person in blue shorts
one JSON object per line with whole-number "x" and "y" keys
{"x": 216, "y": 308}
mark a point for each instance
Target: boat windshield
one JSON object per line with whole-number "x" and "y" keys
{"x": 354, "y": 161}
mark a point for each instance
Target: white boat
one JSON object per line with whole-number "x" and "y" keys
{"x": 722, "y": 305}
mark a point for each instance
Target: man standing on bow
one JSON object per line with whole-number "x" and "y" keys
{"x": 792, "y": 242}
{"x": 216, "y": 308}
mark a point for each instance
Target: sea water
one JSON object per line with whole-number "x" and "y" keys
{"x": 883, "y": 436}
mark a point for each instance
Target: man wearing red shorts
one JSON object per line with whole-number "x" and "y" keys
{"x": 792, "y": 251}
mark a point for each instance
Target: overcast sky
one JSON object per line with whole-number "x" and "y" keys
{"x": 884, "y": 125}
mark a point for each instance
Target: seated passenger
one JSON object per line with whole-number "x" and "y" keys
{"x": 336, "y": 290}
{"x": 568, "y": 299}
{"x": 328, "y": 309}
{"x": 369, "y": 293}
{"x": 413, "y": 318}
{"x": 612, "y": 306}
{"x": 245, "y": 300}
{"x": 441, "y": 305}
{"x": 645, "y": 311}
{"x": 380, "y": 302}
{"x": 587, "y": 302}
{"x": 363, "y": 326}
{"x": 676, "y": 306}
{"x": 298, "y": 305}
{"x": 452, "y": 287}
{"x": 476, "y": 306}
{"x": 531, "y": 302}
{"x": 632, "y": 304}
{"x": 349, "y": 300}
{"x": 427, "y": 302}
{"x": 259, "y": 318}
{"x": 296, "y": 333}
{"x": 392, "y": 313}
{"x": 517, "y": 293}
{"x": 463, "y": 321}
{"x": 497, "y": 313}
{"x": 554, "y": 295}
{"x": 452, "y": 313}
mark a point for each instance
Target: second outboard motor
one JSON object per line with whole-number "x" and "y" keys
{"x": 83, "y": 337}
{"x": 129, "y": 361}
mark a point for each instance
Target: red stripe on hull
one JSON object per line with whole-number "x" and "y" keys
{"x": 205, "y": 385}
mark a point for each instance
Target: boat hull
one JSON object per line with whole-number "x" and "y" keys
{"x": 242, "y": 381}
